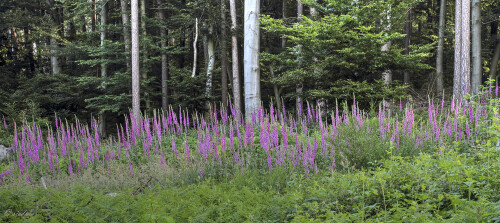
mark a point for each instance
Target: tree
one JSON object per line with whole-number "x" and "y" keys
{"x": 145, "y": 54}
{"x": 461, "y": 78}
{"x": 126, "y": 32}
{"x": 300, "y": 85}
{"x": 476, "y": 73}
{"x": 251, "y": 56}
{"x": 210, "y": 65}
{"x": 104, "y": 67}
{"x": 54, "y": 48}
{"x": 164, "y": 59}
{"x": 234, "y": 58}
{"x": 136, "y": 104}
{"x": 387, "y": 74}
{"x": 223, "y": 54}
{"x": 440, "y": 47}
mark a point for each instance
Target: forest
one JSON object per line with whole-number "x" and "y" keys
{"x": 249, "y": 111}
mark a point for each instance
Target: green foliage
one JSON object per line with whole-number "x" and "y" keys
{"x": 439, "y": 187}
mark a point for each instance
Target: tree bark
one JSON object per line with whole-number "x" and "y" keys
{"x": 223, "y": 55}
{"x": 440, "y": 48}
{"x": 136, "y": 109}
{"x": 251, "y": 57}
{"x": 145, "y": 55}
{"x": 104, "y": 68}
{"x": 494, "y": 61}
{"x": 407, "y": 31}
{"x": 299, "y": 88}
{"x": 387, "y": 74}
{"x": 476, "y": 73}
{"x": 234, "y": 58}
{"x": 164, "y": 59}
{"x": 195, "y": 49}
{"x": 465, "y": 56}
{"x": 126, "y": 32}
{"x": 458, "y": 50}
{"x": 54, "y": 48}
{"x": 210, "y": 65}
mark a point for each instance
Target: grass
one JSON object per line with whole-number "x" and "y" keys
{"x": 343, "y": 165}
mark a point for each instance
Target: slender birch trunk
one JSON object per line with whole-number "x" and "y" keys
{"x": 136, "y": 109}
{"x": 234, "y": 58}
{"x": 251, "y": 57}
{"x": 440, "y": 48}
{"x": 299, "y": 88}
{"x": 164, "y": 59}
{"x": 224, "y": 92}
{"x": 195, "y": 48}
{"x": 476, "y": 73}
{"x": 145, "y": 55}
{"x": 407, "y": 31}
{"x": 458, "y": 49}
{"x": 210, "y": 65}
{"x": 126, "y": 32}
{"x": 104, "y": 68}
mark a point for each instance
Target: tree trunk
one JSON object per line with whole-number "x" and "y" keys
{"x": 461, "y": 79}
{"x": 164, "y": 59}
{"x": 494, "y": 61}
{"x": 458, "y": 49}
{"x": 54, "y": 59}
{"x": 476, "y": 47}
{"x": 234, "y": 58}
{"x": 126, "y": 32}
{"x": 223, "y": 55}
{"x": 387, "y": 74}
{"x": 210, "y": 65}
{"x": 251, "y": 57}
{"x": 104, "y": 68}
{"x": 136, "y": 109}
{"x": 440, "y": 48}
{"x": 275, "y": 88}
{"x": 299, "y": 88}
{"x": 195, "y": 48}
{"x": 145, "y": 55}
{"x": 407, "y": 31}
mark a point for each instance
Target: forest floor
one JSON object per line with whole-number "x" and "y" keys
{"x": 399, "y": 164}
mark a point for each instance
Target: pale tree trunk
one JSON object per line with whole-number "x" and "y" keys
{"x": 126, "y": 32}
{"x": 494, "y": 61}
{"x": 136, "y": 105}
{"x": 387, "y": 74}
{"x": 476, "y": 73}
{"x": 407, "y": 31}
{"x": 210, "y": 65}
{"x": 195, "y": 48}
{"x": 223, "y": 54}
{"x": 299, "y": 88}
{"x": 251, "y": 57}
{"x": 104, "y": 68}
{"x": 440, "y": 47}
{"x": 465, "y": 56}
{"x": 458, "y": 49}
{"x": 234, "y": 58}
{"x": 164, "y": 59}
{"x": 54, "y": 59}
{"x": 145, "y": 55}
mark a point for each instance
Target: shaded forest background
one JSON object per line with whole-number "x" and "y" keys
{"x": 331, "y": 48}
